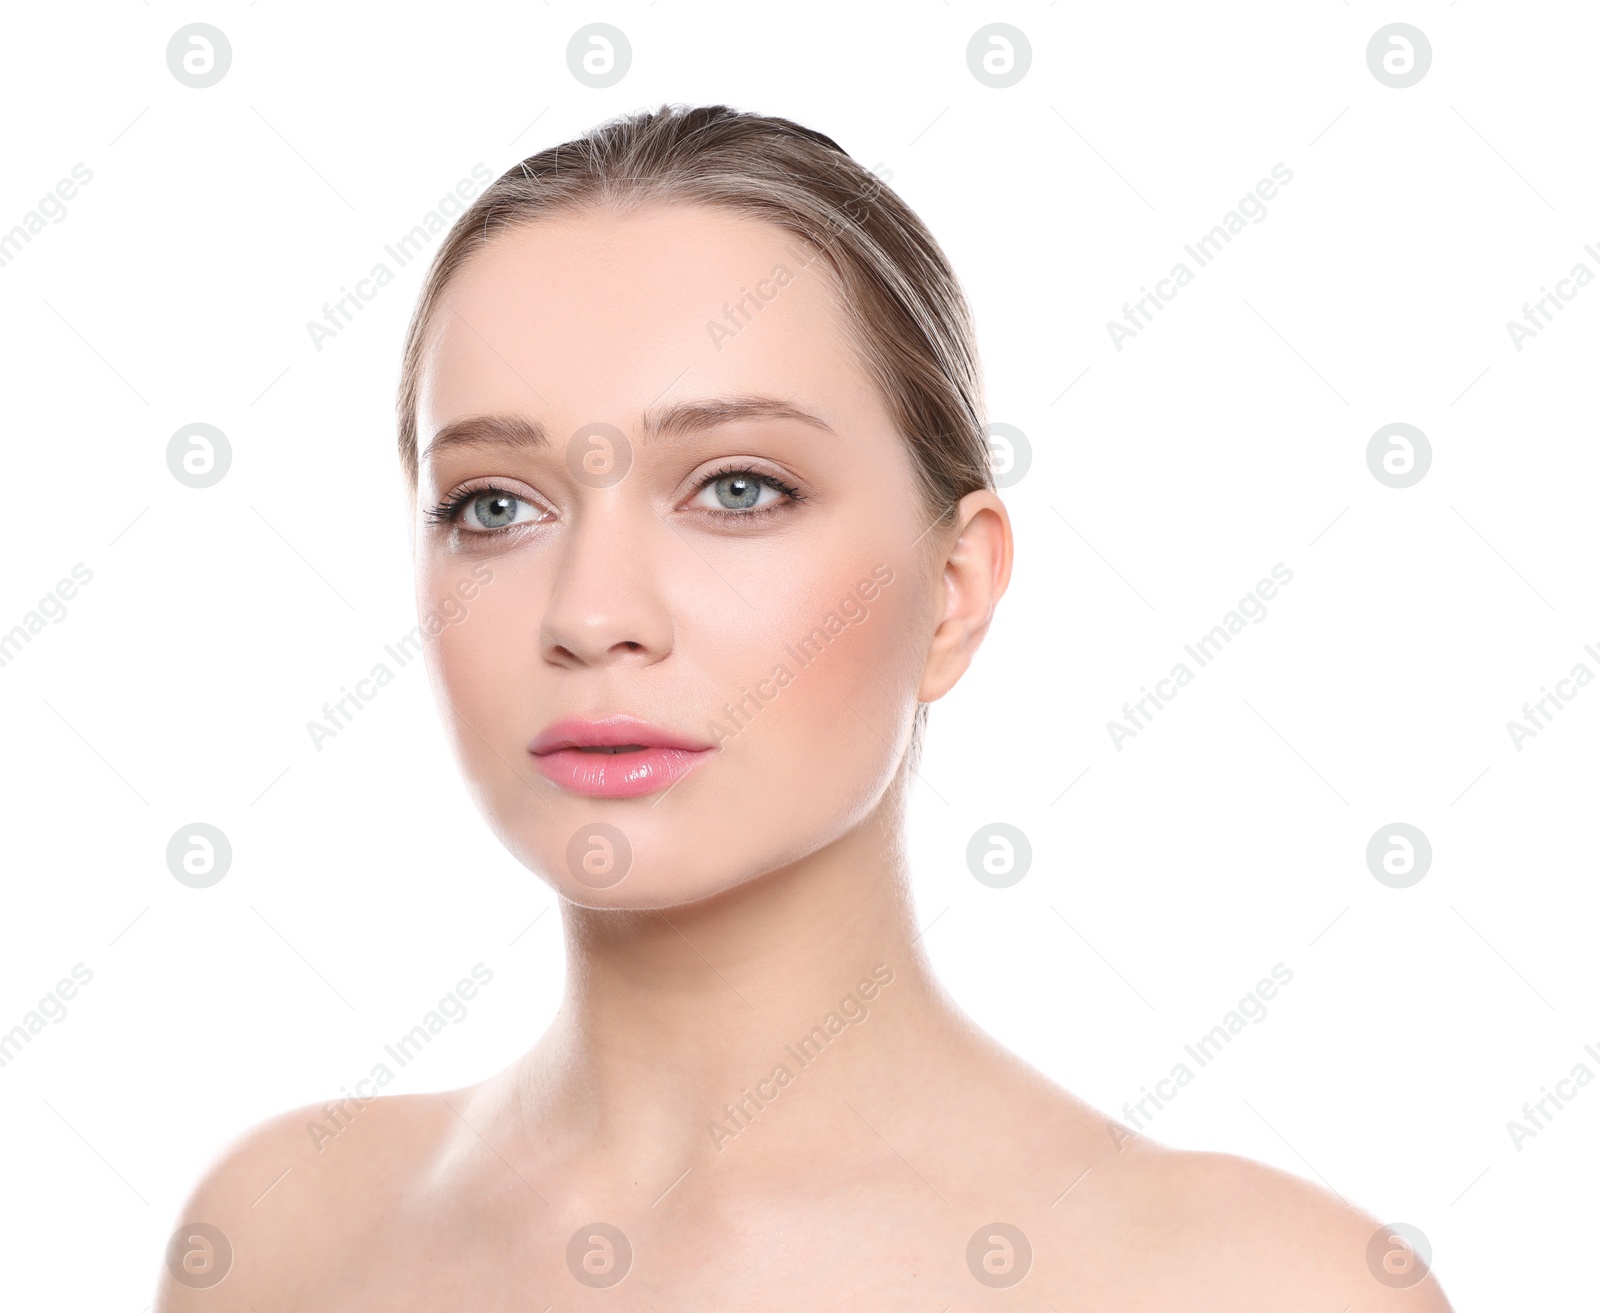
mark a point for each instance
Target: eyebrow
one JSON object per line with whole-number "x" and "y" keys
{"x": 519, "y": 431}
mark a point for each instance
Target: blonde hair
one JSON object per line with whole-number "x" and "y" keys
{"x": 912, "y": 326}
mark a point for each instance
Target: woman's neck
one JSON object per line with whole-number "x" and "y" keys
{"x": 684, "y": 1029}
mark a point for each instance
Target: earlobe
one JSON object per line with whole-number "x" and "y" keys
{"x": 975, "y": 574}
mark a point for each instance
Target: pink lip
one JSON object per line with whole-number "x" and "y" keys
{"x": 660, "y": 758}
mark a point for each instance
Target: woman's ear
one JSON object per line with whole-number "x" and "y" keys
{"x": 976, "y": 570}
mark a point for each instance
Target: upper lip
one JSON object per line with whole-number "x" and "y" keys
{"x": 611, "y": 732}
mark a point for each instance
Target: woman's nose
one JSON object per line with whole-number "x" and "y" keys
{"x": 606, "y": 604}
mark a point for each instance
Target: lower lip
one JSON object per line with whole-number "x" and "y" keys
{"x": 618, "y": 774}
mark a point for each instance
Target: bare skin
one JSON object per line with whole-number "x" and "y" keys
{"x": 766, "y": 900}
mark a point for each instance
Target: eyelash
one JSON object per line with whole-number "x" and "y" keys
{"x": 451, "y": 507}
{"x": 447, "y": 510}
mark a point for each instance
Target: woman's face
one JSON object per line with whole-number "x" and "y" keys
{"x": 670, "y": 544}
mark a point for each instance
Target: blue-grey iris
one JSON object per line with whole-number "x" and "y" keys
{"x": 494, "y": 510}
{"x": 737, "y": 492}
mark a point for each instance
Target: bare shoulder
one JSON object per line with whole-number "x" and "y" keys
{"x": 1124, "y": 1221}
{"x": 282, "y": 1206}
{"x": 1250, "y": 1236}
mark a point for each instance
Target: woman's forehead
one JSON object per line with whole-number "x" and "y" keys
{"x": 615, "y": 312}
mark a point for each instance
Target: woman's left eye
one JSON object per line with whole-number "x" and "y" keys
{"x": 741, "y": 490}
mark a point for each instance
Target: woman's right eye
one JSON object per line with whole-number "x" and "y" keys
{"x": 485, "y": 510}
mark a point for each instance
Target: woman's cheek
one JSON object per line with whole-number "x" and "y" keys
{"x": 474, "y": 661}
{"x": 846, "y": 654}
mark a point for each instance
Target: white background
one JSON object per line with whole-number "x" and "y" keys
{"x": 1166, "y": 479}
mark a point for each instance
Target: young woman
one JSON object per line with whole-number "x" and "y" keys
{"x": 692, "y": 418}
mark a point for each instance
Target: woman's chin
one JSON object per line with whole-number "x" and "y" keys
{"x": 645, "y": 890}
{"x": 607, "y": 867}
